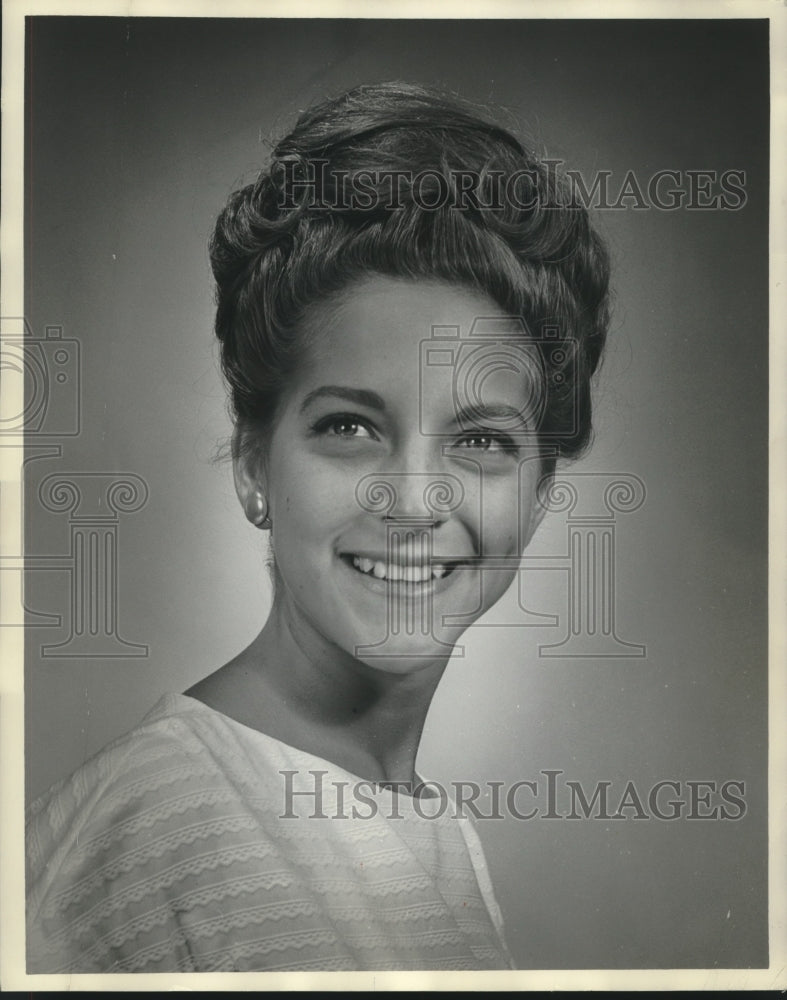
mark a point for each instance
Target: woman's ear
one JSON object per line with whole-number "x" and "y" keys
{"x": 536, "y": 515}
{"x": 540, "y": 505}
{"x": 249, "y": 484}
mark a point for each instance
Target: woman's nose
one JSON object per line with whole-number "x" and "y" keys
{"x": 419, "y": 496}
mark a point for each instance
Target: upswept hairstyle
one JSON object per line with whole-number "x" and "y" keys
{"x": 325, "y": 213}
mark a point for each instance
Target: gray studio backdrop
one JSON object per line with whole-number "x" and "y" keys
{"x": 136, "y": 131}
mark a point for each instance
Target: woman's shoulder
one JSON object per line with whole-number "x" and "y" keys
{"x": 181, "y": 746}
{"x": 163, "y": 738}
{"x": 135, "y": 824}
{"x": 184, "y": 762}
{"x": 156, "y": 752}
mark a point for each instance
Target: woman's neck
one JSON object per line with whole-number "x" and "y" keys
{"x": 290, "y": 683}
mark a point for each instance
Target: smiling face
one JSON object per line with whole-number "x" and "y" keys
{"x": 399, "y": 508}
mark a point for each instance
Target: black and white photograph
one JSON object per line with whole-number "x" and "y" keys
{"x": 388, "y": 452}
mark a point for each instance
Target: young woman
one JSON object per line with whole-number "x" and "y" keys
{"x": 410, "y": 308}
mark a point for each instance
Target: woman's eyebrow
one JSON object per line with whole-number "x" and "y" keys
{"x": 493, "y": 413}
{"x": 363, "y": 397}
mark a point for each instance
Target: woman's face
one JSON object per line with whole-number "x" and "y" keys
{"x": 401, "y": 474}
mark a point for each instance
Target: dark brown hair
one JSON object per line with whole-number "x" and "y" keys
{"x": 324, "y": 213}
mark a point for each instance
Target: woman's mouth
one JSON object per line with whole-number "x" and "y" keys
{"x": 382, "y": 569}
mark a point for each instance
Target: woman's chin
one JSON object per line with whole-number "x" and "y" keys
{"x": 403, "y": 662}
{"x": 401, "y": 654}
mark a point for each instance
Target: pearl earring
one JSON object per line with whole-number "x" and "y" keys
{"x": 257, "y": 510}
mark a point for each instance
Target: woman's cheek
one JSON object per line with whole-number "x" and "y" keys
{"x": 301, "y": 483}
{"x": 502, "y": 515}
{"x": 323, "y": 499}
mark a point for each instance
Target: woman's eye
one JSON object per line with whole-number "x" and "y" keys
{"x": 496, "y": 444}
{"x": 349, "y": 428}
{"x": 344, "y": 427}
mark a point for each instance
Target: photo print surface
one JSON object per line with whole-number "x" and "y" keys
{"x": 395, "y": 494}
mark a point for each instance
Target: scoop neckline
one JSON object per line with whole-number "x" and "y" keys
{"x": 194, "y": 705}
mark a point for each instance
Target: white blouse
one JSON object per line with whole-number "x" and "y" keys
{"x": 197, "y": 844}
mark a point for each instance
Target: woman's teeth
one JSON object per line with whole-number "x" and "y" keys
{"x": 393, "y": 571}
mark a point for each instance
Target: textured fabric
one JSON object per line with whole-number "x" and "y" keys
{"x": 176, "y": 849}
